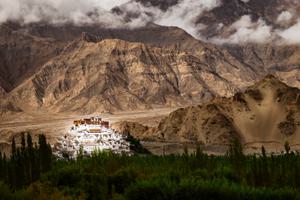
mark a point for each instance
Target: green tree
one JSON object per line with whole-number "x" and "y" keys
{"x": 13, "y": 147}
{"x": 23, "y": 143}
{"x": 287, "y": 147}
{"x": 29, "y": 141}
{"x": 237, "y": 157}
{"x": 263, "y": 152}
{"x": 30, "y": 158}
{"x": 45, "y": 154}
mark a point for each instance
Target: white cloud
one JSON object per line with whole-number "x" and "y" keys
{"x": 140, "y": 14}
{"x": 284, "y": 16}
{"x": 182, "y": 15}
{"x": 109, "y": 4}
{"x": 291, "y": 35}
{"x": 246, "y": 31}
{"x": 60, "y": 11}
{"x": 185, "y": 13}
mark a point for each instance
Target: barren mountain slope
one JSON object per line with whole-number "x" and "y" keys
{"x": 7, "y": 107}
{"x": 117, "y": 75}
{"x": 2, "y": 92}
{"x": 248, "y": 61}
{"x": 265, "y": 114}
{"x": 153, "y": 34}
{"x": 263, "y": 59}
{"x": 189, "y": 77}
{"x": 21, "y": 55}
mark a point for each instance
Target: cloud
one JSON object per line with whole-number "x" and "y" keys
{"x": 284, "y": 16}
{"x": 246, "y": 31}
{"x": 139, "y": 14}
{"x": 291, "y": 35}
{"x": 79, "y": 12}
{"x": 134, "y": 14}
{"x": 185, "y": 13}
{"x": 60, "y": 11}
{"x": 109, "y": 4}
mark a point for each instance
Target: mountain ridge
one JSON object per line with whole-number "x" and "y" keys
{"x": 152, "y": 64}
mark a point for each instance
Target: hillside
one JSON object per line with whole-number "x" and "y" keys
{"x": 110, "y": 75}
{"x": 209, "y": 70}
{"x": 21, "y": 55}
{"x": 266, "y": 113}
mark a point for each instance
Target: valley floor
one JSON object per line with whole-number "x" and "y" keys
{"x": 55, "y": 125}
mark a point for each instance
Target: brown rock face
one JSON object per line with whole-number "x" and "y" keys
{"x": 21, "y": 55}
{"x": 269, "y": 116}
{"x": 135, "y": 129}
{"x": 115, "y": 75}
{"x": 60, "y": 68}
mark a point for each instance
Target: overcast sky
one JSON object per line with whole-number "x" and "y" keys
{"x": 109, "y": 4}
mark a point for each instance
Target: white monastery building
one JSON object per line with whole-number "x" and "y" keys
{"x": 88, "y": 135}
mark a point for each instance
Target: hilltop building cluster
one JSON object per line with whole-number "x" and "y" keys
{"x": 90, "y": 134}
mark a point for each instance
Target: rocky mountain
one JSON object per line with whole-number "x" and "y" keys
{"x": 35, "y": 44}
{"x": 6, "y": 106}
{"x": 143, "y": 67}
{"x": 111, "y": 74}
{"x": 21, "y": 55}
{"x": 266, "y": 113}
{"x": 90, "y": 68}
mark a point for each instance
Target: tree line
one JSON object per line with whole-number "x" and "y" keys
{"x": 31, "y": 172}
{"x": 26, "y": 162}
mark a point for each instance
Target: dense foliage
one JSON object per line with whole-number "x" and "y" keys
{"x": 25, "y": 163}
{"x": 31, "y": 174}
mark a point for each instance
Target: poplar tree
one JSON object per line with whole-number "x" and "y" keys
{"x": 30, "y": 157}
{"x": 23, "y": 143}
{"x": 45, "y": 154}
{"x": 13, "y": 147}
